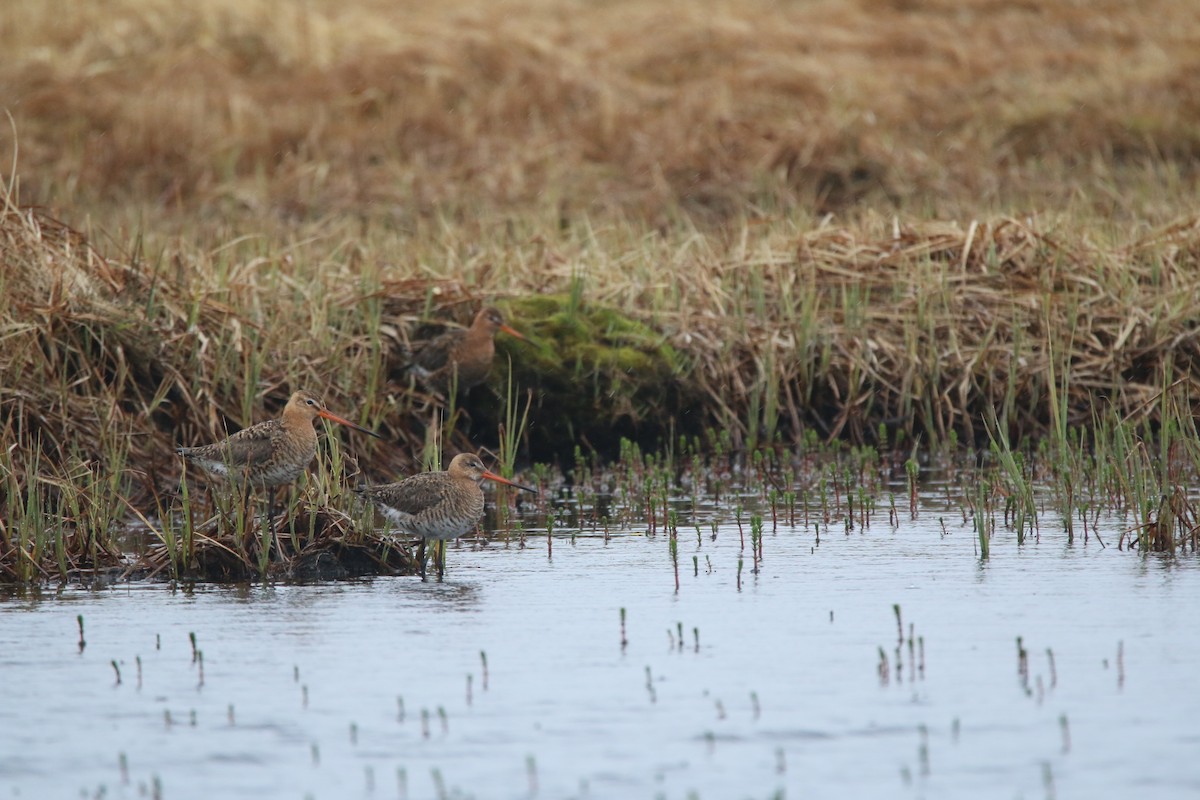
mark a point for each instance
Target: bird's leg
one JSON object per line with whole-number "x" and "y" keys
{"x": 421, "y": 556}
{"x": 246, "y": 499}
{"x": 291, "y": 515}
{"x": 273, "y": 510}
{"x": 440, "y": 555}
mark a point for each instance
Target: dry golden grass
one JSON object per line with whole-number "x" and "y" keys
{"x": 719, "y": 110}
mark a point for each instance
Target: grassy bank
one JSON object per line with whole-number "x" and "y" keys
{"x": 758, "y": 224}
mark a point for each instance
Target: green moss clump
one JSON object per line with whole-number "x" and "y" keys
{"x": 596, "y": 374}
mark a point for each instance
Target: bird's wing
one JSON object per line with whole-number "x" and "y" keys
{"x": 435, "y": 353}
{"x": 411, "y": 495}
{"x": 251, "y": 446}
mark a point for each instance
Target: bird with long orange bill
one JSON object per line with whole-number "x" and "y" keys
{"x": 269, "y": 454}
{"x": 460, "y": 359}
{"x": 437, "y": 505}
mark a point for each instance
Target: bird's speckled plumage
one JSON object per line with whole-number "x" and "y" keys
{"x": 272, "y": 453}
{"x": 436, "y": 505}
{"x": 465, "y": 352}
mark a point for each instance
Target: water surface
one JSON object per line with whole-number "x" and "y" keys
{"x": 360, "y": 689}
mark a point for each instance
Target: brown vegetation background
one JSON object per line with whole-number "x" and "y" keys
{"x": 722, "y": 110}
{"x": 824, "y": 215}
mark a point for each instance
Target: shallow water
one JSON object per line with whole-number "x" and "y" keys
{"x": 302, "y": 685}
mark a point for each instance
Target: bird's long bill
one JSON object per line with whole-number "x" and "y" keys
{"x": 491, "y": 476}
{"x": 513, "y": 332}
{"x": 343, "y": 421}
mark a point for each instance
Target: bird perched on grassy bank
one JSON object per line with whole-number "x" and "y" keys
{"x": 272, "y": 453}
{"x": 461, "y": 359}
{"x": 437, "y": 505}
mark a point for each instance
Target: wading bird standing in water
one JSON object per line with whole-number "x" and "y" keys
{"x": 437, "y": 505}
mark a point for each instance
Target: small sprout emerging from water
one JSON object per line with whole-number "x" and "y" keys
{"x": 955, "y": 730}
{"x": 1121, "y": 664}
{"x": 157, "y": 641}
{"x": 673, "y": 544}
{"x": 531, "y": 769}
{"x": 123, "y": 765}
{"x": 399, "y": 709}
{"x": 899, "y": 624}
{"x": 295, "y": 673}
{"x": 167, "y": 718}
{"x": 912, "y": 657}
{"x": 1066, "y": 733}
{"x": 469, "y": 678}
{"x": 739, "y": 574}
{"x": 192, "y": 637}
{"x": 695, "y": 566}
{"x": 912, "y": 469}
{"x": 192, "y": 718}
{"x": 696, "y": 636}
{"x": 624, "y": 640}
{"x": 1023, "y": 665}
{"x": 117, "y": 670}
{"x": 200, "y": 664}
{"x": 883, "y": 668}
{"x": 756, "y": 539}
{"x": 720, "y": 710}
{"x": 483, "y": 660}
{"x": 402, "y": 783}
{"x": 710, "y": 739}
{"x": 679, "y": 630}
{"x": 353, "y": 733}
{"x": 737, "y": 514}
{"x": 650, "y": 685}
{"x": 756, "y": 709}
{"x": 315, "y": 751}
{"x": 230, "y": 715}
{"x": 138, "y": 660}
{"x": 1053, "y": 670}
{"x": 424, "y": 723}
{"x": 82, "y": 641}
{"x": 780, "y": 761}
{"x": 445, "y": 720}
{"x": 304, "y": 696}
{"x": 923, "y": 751}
